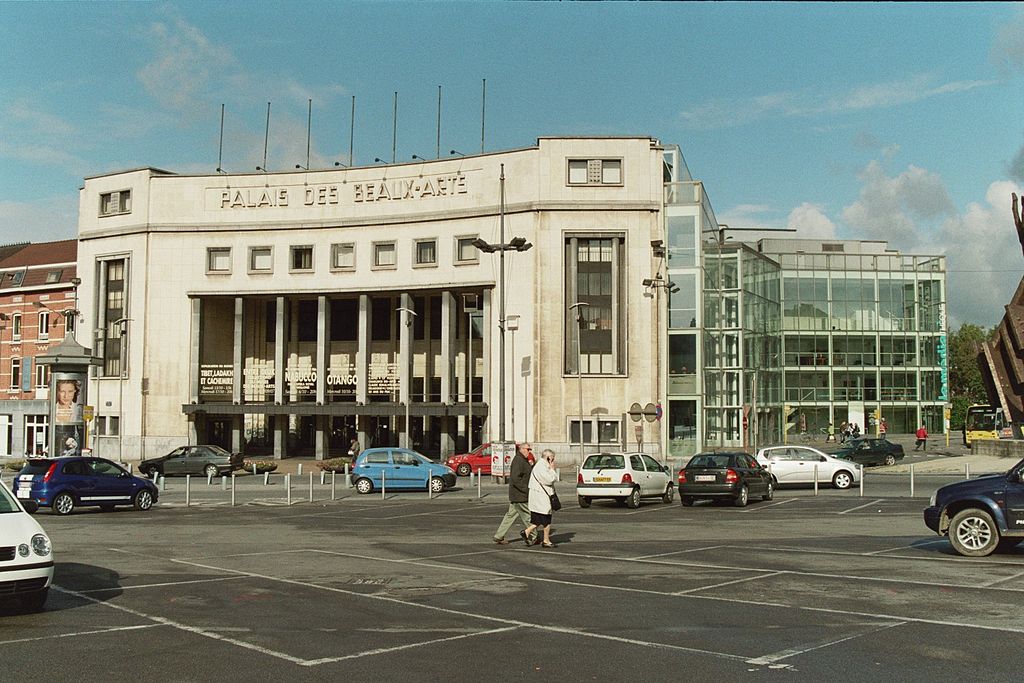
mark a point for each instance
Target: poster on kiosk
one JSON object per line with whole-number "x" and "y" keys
{"x": 68, "y": 424}
{"x": 501, "y": 457}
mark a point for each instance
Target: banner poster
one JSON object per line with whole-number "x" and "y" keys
{"x": 67, "y": 399}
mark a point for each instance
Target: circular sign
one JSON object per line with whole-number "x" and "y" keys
{"x": 635, "y": 412}
{"x": 650, "y": 412}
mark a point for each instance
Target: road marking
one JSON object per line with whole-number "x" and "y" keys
{"x": 408, "y": 646}
{"x": 727, "y": 583}
{"x": 874, "y": 502}
{"x": 998, "y": 581}
{"x": 770, "y": 505}
{"x": 906, "y": 547}
{"x": 160, "y": 585}
{"x": 678, "y": 552}
{"x": 794, "y": 651}
{"x": 78, "y": 633}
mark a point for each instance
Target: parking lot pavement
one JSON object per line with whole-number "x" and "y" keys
{"x": 807, "y": 588}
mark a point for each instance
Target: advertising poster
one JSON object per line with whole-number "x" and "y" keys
{"x": 68, "y": 397}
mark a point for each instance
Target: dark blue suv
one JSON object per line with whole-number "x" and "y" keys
{"x": 980, "y": 515}
{"x": 63, "y": 484}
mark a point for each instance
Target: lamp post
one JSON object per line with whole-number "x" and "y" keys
{"x": 515, "y": 244}
{"x": 408, "y": 314}
{"x": 578, "y": 308}
{"x": 512, "y": 324}
{"x": 122, "y": 374}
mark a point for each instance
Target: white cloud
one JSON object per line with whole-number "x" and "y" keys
{"x": 810, "y": 222}
{"x": 184, "y": 64}
{"x": 1008, "y": 46}
{"x": 46, "y": 220}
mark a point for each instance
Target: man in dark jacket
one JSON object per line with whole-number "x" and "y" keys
{"x": 518, "y": 493}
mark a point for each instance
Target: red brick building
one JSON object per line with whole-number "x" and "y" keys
{"x": 37, "y": 299}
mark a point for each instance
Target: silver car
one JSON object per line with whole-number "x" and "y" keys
{"x": 796, "y": 465}
{"x": 625, "y": 477}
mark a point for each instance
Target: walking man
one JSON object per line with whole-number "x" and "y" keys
{"x": 922, "y": 438}
{"x": 518, "y": 493}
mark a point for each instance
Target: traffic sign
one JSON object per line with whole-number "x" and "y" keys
{"x": 636, "y": 412}
{"x": 87, "y": 413}
{"x": 650, "y": 412}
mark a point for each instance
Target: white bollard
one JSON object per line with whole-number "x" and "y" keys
{"x": 254, "y": 469}
{"x": 300, "y": 469}
{"x": 310, "y": 487}
{"x": 288, "y": 487}
{"x": 911, "y": 481}
{"x": 223, "y": 483}
{"x": 967, "y": 470}
{"x": 188, "y": 489}
{"x": 478, "y": 479}
{"x": 163, "y": 483}
{"x": 861, "y": 480}
{"x": 348, "y": 477}
{"x": 383, "y": 495}
{"x": 323, "y": 476}
{"x": 815, "y": 480}
{"x": 232, "y": 489}
{"x": 334, "y": 489}
{"x": 209, "y": 480}
{"x": 266, "y": 478}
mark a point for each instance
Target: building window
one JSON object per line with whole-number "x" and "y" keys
{"x": 595, "y": 172}
{"x": 113, "y": 278}
{"x": 426, "y": 252}
{"x": 53, "y": 276}
{"x": 343, "y": 256}
{"x": 302, "y": 258}
{"x": 594, "y": 331}
{"x": 37, "y": 428}
{"x": 15, "y": 373}
{"x": 218, "y": 260}
{"x": 261, "y": 259}
{"x": 608, "y": 431}
{"x": 114, "y": 203}
{"x": 44, "y": 325}
{"x": 16, "y": 327}
{"x": 384, "y": 255}
{"x": 42, "y": 376}
{"x": 465, "y": 252}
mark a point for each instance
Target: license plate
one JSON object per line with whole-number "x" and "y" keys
{"x": 602, "y": 478}
{"x": 704, "y": 477}
{"x": 24, "y": 493}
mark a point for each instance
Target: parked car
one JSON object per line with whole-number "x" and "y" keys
{"x": 399, "y": 468}
{"x": 62, "y": 484}
{"x": 479, "y": 460}
{"x": 208, "y": 461}
{"x": 980, "y": 515}
{"x": 724, "y": 475}
{"x": 26, "y": 556}
{"x": 796, "y": 465}
{"x": 871, "y": 450}
{"x": 624, "y": 477}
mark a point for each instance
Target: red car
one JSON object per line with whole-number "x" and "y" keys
{"x": 477, "y": 461}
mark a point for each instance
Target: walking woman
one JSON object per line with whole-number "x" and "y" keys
{"x": 542, "y": 481}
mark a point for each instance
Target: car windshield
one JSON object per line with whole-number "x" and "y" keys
{"x": 604, "y": 461}
{"x": 217, "y": 450}
{"x": 709, "y": 460}
{"x": 36, "y": 467}
{"x": 7, "y": 503}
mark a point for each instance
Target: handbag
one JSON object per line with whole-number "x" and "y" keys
{"x": 555, "y": 503}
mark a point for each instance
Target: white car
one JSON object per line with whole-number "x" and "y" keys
{"x": 26, "y": 558}
{"x": 796, "y": 465}
{"x": 625, "y": 477}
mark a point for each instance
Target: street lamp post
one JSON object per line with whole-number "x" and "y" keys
{"x": 512, "y": 324}
{"x": 408, "y": 314}
{"x": 578, "y": 308}
{"x": 515, "y": 244}
{"x": 122, "y": 374}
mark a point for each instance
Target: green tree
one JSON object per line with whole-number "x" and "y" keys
{"x": 965, "y": 383}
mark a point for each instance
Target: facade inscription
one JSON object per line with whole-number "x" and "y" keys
{"x": 368, "y": 192}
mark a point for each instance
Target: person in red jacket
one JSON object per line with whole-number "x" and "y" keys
{"x": 922, "y": 438}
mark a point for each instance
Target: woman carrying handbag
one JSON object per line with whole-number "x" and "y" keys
{"x": 543, "y": 499}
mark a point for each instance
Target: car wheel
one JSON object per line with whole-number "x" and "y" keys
{"x": 33, "y": 602}
{"x": 1008, "y": 544}
{"x": 742, "y": 498}
{"x": 364, "y": 485}
{"x": 973, "y": 533}
{"x": 842, "y": 480}
{"x": 210, "y": 471}
{"x": 769, "y": 492}
{"x": 436, "y": 484}
{"x": 464, "y": 470}
{"x": 143, "y": 500}
{"x": 890, "y": 459}
{"x": 687, "y": 501}
{"x": 584, "y": 501}
{"x": 670, "y": 493}
{"x": 63, "y": 504}
{"x": 633, "y": 499}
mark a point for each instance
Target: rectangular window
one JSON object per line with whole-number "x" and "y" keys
{"x": 343, "y": 256}
{"x": 594, "y": 172}
{"x": 113, "y": 277}
{"x": 218, "y": 260}
{"x": 53, "y": 276}
{"x": 302, "y": 258}
{"x": 465, "y": 252}
{"x": 15, "y": 373}
{"x": 16, "y": 327}
{"x": 42, "y": 376}
{"x": 426, "y": 252}
{"x": 595, "y": 328}
{"x": 44, "y": 325}
{"x": 114, "y": 203}
{"x": 344, "y": 319}
{"x": 384, "y": 255}
{"x": 261, "y": 259}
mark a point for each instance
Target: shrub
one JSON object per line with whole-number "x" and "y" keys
{"x": 15, "y": 465}
{"x": 262, "y": 466}
{"x": 335, "y": 465}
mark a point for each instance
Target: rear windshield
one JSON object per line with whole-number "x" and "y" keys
{"x": 36, "y": 466}
{"x": 712, "y": 460}
{"x": 604, "y": 461}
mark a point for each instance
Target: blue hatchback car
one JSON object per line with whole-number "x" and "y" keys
{"x": 62, "y": 484}
{"x": 399, "y": 468}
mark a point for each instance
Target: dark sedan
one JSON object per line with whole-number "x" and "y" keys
{"x": 870, "y": 450}
{"x": 209, "y": 461}
{"x": 724, "y": 475}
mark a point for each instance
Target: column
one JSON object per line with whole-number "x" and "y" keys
{"x": 236, "y": 352}
{"x": 405, "y": 365}
{"x": 448, "y": 329}
{"x": 237, "y": 423}
{"x": 363, "y": 351}
{"x": 485, "y": 343}
{"x": 280, "y": 421}
{"x": 323, "y": 325}
{"x": 193, "y": 370}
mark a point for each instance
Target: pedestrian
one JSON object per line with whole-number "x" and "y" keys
{"x": 353, "y": 447}
{"x": 922, "y": 438}
{"x": 883, "y": 427}
{"x": 856, "y": 431}
{"x": 518, "y": 494}
{"x": 542, "y": 488}
{"x": 831, "y": 433}
{"x": 844, "y": 431}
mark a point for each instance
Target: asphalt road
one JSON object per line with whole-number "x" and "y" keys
{"x": 803, "y": 588}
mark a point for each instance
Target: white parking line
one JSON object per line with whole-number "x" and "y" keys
{"x": 906, "y": 547}
{"x": 408, "y": 646}
{"x": 792, "y": 652}
{"x": 161, "y": 585}
{"x": 678, "y": 552}
{"x": 769, "y": 505}
{"x": 78, "y": 634}
{"x": 727, "y": 583}
{"x": 859, "y": 507}
{"x": 998, "y": 581}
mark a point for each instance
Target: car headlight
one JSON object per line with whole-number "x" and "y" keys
{"x": 23, "y": 549}
{"x": 41, "y": 545}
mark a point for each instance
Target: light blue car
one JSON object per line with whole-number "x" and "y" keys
{"x": 399, "y": 468}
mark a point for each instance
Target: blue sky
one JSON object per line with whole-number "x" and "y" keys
{"x": 874, "y": 121}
